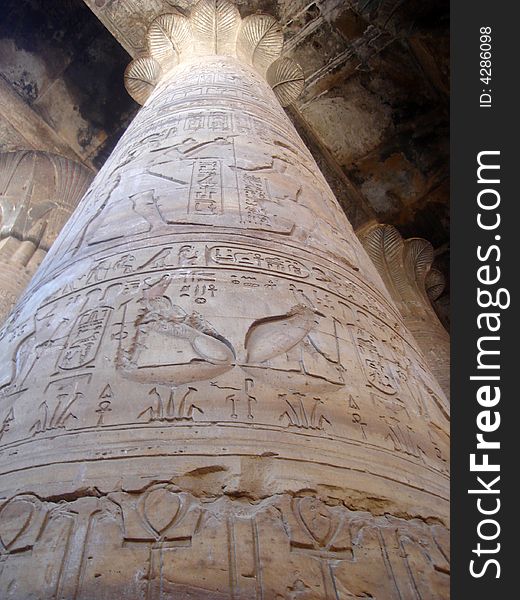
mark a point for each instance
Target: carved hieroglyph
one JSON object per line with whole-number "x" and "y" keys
{"x": 206, "y": 392}
{"x": 405, "y": 266}
{"x": 38, "y": 193}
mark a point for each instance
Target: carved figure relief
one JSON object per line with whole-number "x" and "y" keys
{"x": 38, "y": 192}
{"x": 285, "y": 350}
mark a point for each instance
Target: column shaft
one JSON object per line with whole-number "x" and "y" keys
{"x": 208, "y": 374}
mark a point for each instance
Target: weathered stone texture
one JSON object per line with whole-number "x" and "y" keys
{"x": 207, "y": 391}
{"x": 174, "y": 545}
{"x": 405, "y": 266}
{"x": 60, "y": 83}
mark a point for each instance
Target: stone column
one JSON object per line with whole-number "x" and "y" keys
{"x": 207, "y": 392}
{"x": 38, "y": 193}
{"x": 405, "y": 266}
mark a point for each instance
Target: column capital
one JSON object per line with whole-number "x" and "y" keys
{"x": 215, "y": 27}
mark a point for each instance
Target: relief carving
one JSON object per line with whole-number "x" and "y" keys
{"x": 285, "y": 349}
{"x": 404, "y": 266}
{"x": 166, "y": 345}
{"x": 207, "y": 392}
{"x": 164, "y": 537}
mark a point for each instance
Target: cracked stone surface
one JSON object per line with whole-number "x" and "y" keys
{"x": 177, "y": 545}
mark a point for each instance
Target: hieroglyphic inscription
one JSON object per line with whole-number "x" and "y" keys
{"x": 85, "y": 338}
{"x": 245, "y": 257}
{"x": 6, "y": 423}
{"x": 302, "y": 413}
{"x": 174, "y": 409}
{"x": 207, "y": 331}
{"x": 166, "y": 538}
{"x": 254, "y": 194}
